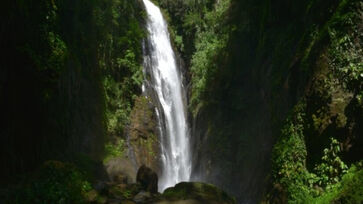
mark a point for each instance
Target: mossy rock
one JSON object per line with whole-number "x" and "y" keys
{"x": 196, "y": 192}
{"x": 143, "y": 133}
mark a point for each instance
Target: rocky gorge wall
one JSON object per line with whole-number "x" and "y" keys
{"x": 251, "y": 63}
{"x": 68, "y": 79}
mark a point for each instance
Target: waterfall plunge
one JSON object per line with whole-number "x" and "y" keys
{"x": 166, "y": 87}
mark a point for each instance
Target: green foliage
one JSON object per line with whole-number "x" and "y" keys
{"x": 118, "y": 107}
{"x": 121, "y": 62}
{"x": 55, "y": 182}
{"x": 200, "y": 33}
{"x": 127, "y": 194}
{"x": 289, "y": 156}
{"x": 209, "y": 45}
{"x": 203, "y": 64}
{"x": 114, "y": 149}
{"x": 120, "y": 51}
{"x": 335, "y": 81}
{"x": 346, "y": 50}
{"x": 331, "y": 180}
{"x": 58, "y": 51}
{"x": 178, "y": 40}
{"x": 332, "y": 167}
{"x": 348, "y": 190}
{"x": 290, "y": 152}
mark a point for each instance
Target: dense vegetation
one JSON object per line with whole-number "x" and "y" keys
{"x": 316, "y": 156}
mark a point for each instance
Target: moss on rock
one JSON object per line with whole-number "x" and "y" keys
{"x": 196, "y": 191}
{"x": 143, "y": 133}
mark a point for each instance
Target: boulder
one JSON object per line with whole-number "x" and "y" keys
{"x": 147, "y": 179}
{"x": 195, "y": 193}
{"x": 120, "y": 166}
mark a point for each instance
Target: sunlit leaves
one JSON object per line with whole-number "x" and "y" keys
{"x": 346, "y": 51}
{"x": 209, "y": 44}
{"x": 115, "y": 149}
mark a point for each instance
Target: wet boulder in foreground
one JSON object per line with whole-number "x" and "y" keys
{"x": 195, "y": 193}
{"x": 148, "y": 179}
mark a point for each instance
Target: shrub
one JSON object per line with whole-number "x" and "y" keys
{"x": 54, "y": 182}
{"x": 332, "y": 167}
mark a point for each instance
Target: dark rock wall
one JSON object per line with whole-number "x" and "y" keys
{"x": 51, "y": 96}
{"x": 55, "y": 57}
{"x": 271, "y": 62}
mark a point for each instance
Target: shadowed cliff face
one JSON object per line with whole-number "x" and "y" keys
{"x": 51, "y": 95}
{"x": 52, "y": 99}
{"x": 272, "y": 58}
{"x": 249, "y": 95}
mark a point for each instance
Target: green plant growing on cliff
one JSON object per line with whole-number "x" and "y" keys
{"x": 211, "y": 38}
{"x": 152, "y": 139}
{"x": 348, "y": 190}
{"x": 118, "y": 108}
{"x": 121, "y": 66}
{"x": 346, "y": 51}
{"x": 330, "y": 170}
{"x": 289, "y": 158}
{"x": 114, "y": 149}
{"x": 331, "y": 178}
{"x": 120, "y": 59}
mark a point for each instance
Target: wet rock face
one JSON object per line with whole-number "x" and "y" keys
{"x": 148, "y": 179}
{"x": 143, "y": 134}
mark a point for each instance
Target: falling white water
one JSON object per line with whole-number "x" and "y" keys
{"x": 166, "y": 83}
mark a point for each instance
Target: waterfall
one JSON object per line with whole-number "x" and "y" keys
{"x": 164, "y": 85}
